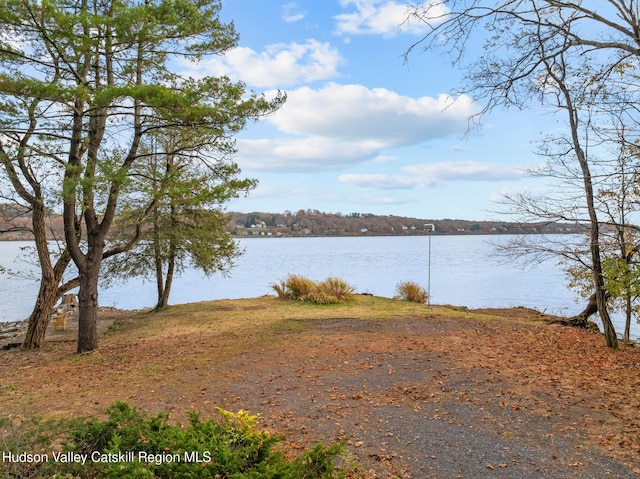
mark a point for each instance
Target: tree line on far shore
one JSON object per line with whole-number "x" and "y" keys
{"x": 15, "y": 224}
{"x": 316, "y": 223}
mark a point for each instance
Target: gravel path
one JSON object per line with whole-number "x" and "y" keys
{"x": 408, "y": 409}
{"x": 412, "y": 397}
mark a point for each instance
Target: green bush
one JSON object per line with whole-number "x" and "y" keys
{"x": 134, "y": 445}
{"x": 409, "y": 291}
{"x": 329, "y": 291}
{"x": 31, "y": 435}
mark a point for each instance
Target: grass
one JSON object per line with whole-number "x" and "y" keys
{"x": 145, "y": 347}
{"x": 232, "y": 315}
{"x": 185, "y": 357}
{"x": 413, "y": 292}
{"x": 298, "y": 288}
{"x": 148, "y": 355}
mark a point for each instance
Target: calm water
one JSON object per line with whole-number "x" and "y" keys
{"x": 463, "y": 272}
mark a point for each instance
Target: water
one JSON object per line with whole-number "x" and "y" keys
{"x": 463, "y": 271}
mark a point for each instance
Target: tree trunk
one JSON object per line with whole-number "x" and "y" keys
{"x": 160, "y": 288}
{"x": 594, "y": 234}
{"x": 157, "y": 259}
{"x": 163, "y": 300}
{"x": 627, "y": 322}
{"x": 581, "y": 320}
{"x": 590, "y": 310}
{"x": 50, "y": 278}
{"x": 48, "y": 296}
{"x": 88, "y": 307}
{"x": 39, "y": 319}
{"x": 46, "y": 299}
{"x": 609, "y": 329}
{"x": 164, "y": 290}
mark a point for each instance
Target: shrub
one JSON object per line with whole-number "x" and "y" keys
{"x": 31, "y": 435}
{"x": 320, "y": 297}
{"x": 409, "y": 291}
{"x": 230, "y": 447}
{"x": 337, "y": 288}
{"x": 294, "y": 287}
{"x": 329, "y": 291}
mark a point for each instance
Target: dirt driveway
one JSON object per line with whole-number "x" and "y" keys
{"x": 414, "y": 397}
{"x": 428, "y": 399}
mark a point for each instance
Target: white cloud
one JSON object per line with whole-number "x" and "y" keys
{"x": 387, "y": 18}
{"x": 302, "y": 154}
{"x": 279, "y": 66}
{"x": 466, "y": 170}
{"x": 379, "y": 199}
{"x": 339, "y": 126}
{"x": 382, "y": 181}
{"x": 384, "y": 159}
{"x": 378, "y": 116}
{"x": 431, "y": 175}
{"x": 291, "y": 12}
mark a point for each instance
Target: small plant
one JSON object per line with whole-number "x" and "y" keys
{"x": 294, "y": 287}
{"x": 28, "y": 441}
{"x": 413, "y": 292}
{"x": 129, "y": 443}
{"x": 336, "y": 288}
{"x": 329, "y": 291}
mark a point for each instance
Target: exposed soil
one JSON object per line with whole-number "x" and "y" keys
{"x": 414, "y": 397}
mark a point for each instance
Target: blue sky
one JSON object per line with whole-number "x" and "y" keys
{"x": 363, "y": 130}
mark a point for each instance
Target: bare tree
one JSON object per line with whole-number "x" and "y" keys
{"x": 556, "y": 68}
{"x": 553, "y": 53}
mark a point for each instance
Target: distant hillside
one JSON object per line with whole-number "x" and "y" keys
{"x": 316, "y": 223}
{"x": 15, "y": 222}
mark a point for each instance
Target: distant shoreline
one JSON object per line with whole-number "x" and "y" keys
{"x": 373, "y": 235}
{"x": 313, "y": 223}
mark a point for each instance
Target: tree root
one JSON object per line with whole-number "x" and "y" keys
{"x": 581, "y": 320}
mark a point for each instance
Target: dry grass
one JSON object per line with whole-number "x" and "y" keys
{"x": 299, "y": 288}
{"x": 413, "y": 292}
{"x": 264, "y": 354}
{"x": 144, "y": 351}
{"x": 144, "y": 348}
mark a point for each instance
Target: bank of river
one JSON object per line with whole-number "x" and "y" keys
{"x": 460, "y": 270}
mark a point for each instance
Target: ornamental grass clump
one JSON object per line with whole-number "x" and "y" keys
{"x": 409, "y": 291}
{"x": 294, "y": 287}
{"x": 299, "y": 288}
{"x": 337, "y": 288}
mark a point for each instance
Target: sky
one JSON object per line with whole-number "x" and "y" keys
{"x": 364, "y": 130}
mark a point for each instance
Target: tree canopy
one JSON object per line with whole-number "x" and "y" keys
{"x": 578, "y": 58}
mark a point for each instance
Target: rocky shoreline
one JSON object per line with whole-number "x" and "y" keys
{"x": 12, "y": 333}
{"x": 13, "y": 329}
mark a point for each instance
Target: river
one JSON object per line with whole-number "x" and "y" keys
{"x": 460, "y": 270}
